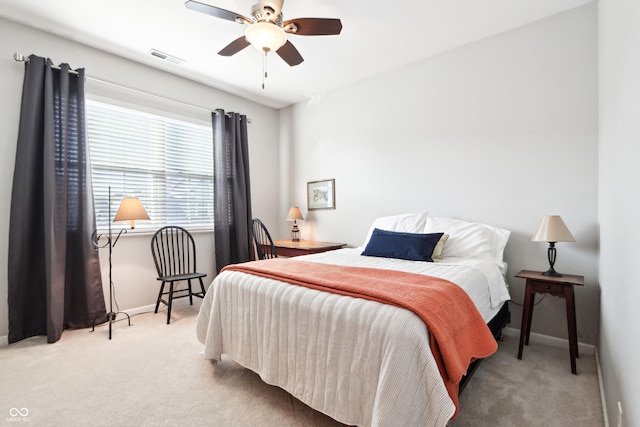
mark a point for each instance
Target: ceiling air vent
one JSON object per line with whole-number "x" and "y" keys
{"x": 166, "y": 56}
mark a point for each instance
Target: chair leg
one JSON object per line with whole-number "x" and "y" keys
{"x": 202, "y": 287}
{"x": 170, "y": 302}
{"x": 190, "y": 292}
{"x": 159, "y": 297}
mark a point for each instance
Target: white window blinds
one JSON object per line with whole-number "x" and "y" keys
{"x": 166, "y": 162}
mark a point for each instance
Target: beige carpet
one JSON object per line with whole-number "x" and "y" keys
{"x": 153, "y": 374}
{"x": 538, "y": 390}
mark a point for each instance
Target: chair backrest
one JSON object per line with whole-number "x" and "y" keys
{"x": 261, "y": 237}
{"x": 174, "y": 251}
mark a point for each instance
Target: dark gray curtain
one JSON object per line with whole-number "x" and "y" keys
{"x": 231, "y": 189}
{"x": 54, "y": 271}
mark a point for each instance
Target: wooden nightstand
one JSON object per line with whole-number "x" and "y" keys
{"x": 557, "y": 286}
{"x": 287, "y": 248}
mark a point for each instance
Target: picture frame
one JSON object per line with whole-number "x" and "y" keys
{"x": 321, "y": 194}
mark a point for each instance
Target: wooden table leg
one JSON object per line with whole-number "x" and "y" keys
{"x": 532, "y": 301}
{"x": 525, "y": 327}
{"x": 572, "y": 329}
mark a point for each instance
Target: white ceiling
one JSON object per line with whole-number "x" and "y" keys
{"x": 376, "y": 37}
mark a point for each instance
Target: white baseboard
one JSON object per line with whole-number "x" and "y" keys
{"x": 601, "y": 386}
{"x": 183, "y": 302}
{"x": 549, "y": 340}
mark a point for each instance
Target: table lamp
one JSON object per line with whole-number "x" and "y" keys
{"x": 294, "y": 215}
{"x": 552, "y": 229}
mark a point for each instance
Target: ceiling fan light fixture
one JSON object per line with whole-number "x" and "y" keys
{"x": 267, "y": 30}
{"x": 265, "y": 36}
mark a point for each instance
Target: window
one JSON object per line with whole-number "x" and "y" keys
{"x": 166, "y": 162}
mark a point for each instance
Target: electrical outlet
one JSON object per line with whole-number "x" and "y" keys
{"x": 619, "y": 414}
{"x": 582, "y": 336}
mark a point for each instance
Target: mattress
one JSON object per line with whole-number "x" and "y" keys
{"x": 358, "y": 361}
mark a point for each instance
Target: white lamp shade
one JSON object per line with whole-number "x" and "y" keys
{"x": 552, "y": 229}
{"x": 131, "y": 210}
{"x": 294, "y": 214}
{"x": 265, "y": 36}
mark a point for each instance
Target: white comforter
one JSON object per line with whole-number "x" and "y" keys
{"x": 360, "y": 362}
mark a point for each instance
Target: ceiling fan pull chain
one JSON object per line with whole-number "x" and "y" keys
{"x": 264, "y": 68}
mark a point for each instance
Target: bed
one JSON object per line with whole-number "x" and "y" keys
{"x": 359, "y": 361}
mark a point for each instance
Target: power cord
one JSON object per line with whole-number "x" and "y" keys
{"x": 133, "y": 315}
{"x": 534, "y": 298}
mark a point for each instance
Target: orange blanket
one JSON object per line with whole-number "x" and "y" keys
{"x": 458, "y": 334}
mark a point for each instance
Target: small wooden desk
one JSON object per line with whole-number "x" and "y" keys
{"x": 288, "y": 248}
{"x": 557, "y": 286}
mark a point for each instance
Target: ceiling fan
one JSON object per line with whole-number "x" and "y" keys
{"x": 267, "y": 31}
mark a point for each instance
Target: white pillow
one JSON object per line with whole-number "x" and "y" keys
{"x": 437, "y": 251}
{"x": 406, "y": 223}
{"x": 469, "y": 239}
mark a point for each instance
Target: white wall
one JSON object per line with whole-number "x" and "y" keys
{"x": 133, "y": 272}
{"x": 501, "y": 131}
{"x": 619, "y": 205}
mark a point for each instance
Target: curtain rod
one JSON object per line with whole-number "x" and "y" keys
{"x": 21, "y": 58}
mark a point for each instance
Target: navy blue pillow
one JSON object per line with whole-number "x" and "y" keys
{"x": 409, "y": 246}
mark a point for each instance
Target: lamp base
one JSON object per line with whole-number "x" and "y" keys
{"x": 295, "y": 232}
{"x": 551, "y": 272}
{"x": 551, "y": 254}
{"x": 111, "y": 318}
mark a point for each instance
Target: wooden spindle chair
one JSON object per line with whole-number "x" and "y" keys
{"x": 174, "y": 253}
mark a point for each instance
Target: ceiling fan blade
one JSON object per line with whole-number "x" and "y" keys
{"x": 234, "y": 47}
{"x": 313, "y": 26}
{"x": 290, "y": 54}
{"x": 216, "y": 11}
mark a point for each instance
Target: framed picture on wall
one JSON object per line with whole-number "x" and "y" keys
{"x": 321, "y": 194}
